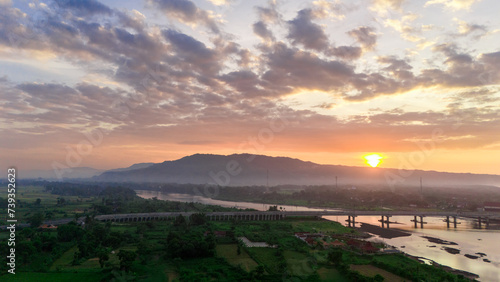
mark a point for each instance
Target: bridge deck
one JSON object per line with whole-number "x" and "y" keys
{"x": 308, "y": 213}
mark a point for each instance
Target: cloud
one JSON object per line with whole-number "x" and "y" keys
{"x": 478, "y": 96}
{"x": 462, "y": 70}
{"x": 5, "y": 3}
{"x": 328, "y": 9}
{"x": 186, "y": 12}
{"x": 221, "y": 2}
{"x": 405, "y": 27}
{"x": 465, "y": 29}
{"x": 382, "y": 7}
{"x": 261, "y": 29}
{"x": 84, "y": 7}
{"x": 365, "y": 36}
{"x": 346, "y": 52}
{"x": 193, "y": 53}
{"x": 453, "y": 4}
{"x": 269, "y": 14}
{"x": 168, "y": 87}
{"x": 306, "y": 33}
{"x": 292, "y": 68}
{"x": 135, "y": 20}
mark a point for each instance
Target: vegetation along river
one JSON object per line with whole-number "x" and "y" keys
{"x": 451, "y": 250}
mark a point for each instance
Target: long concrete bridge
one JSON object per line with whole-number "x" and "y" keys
{"x": 450, "y": 217}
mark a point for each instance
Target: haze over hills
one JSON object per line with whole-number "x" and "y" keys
{"x": 246, "y": 170}
{"x": 132, "y": 167}
{"x": 75, "y": 172}
{"x": 67, "y": 173}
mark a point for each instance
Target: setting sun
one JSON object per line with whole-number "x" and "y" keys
{"x": 373, "y": 159}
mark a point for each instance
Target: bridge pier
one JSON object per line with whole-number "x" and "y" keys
{"x": 386, "y": 221}
{"x": 479, "y": 222}
{"x": 416, "y": 221}
{"x": 351, "y": 220}
{"x": 447, "y": 220}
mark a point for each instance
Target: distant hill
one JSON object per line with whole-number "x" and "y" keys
{"x": 68, "y": 173}
{"x": 132, "y": 167}
{"x": 75, "y": 172}
{"x": 246, "y": 169}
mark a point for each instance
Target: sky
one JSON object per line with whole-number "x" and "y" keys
{"x": 107, "y": 84}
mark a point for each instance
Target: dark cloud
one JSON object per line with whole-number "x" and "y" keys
{"x": 397, "y": 68}
{"x": 186, "y": 11}
{"x": 260, "y": 28}
{"x": 187, "y": 44}
{"x": 245, "y": 82}
{"x": 295, "y": 68}
{"x": 172, "y": 84}
{"x": 346, "y": 52}
{"x": 193, "y": 52}
{"x": 482, "y": 96}
{"x": 269, "y": 14}
{"x": 17, "y": 31}
{"x": 135, "y": 22}
{"x": 492, "y": 59}
{"x": 49, "y": 93}
{"x": 84, "y": 7}
{"x": 365, "y": 36}
{"x": 462, "y": 70}
{"x": 368, "y": 86}
{"x": 306, "y": 33}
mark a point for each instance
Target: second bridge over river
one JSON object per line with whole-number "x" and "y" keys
{"x": 450, "y": 218}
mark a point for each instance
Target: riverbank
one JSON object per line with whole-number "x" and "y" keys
{"x": 438, "y": 241}
{"x": 386, "y": 233}
{"x": 468, "y": 275}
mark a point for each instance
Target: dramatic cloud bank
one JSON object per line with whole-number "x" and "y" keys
{"x": 166, "y": 78}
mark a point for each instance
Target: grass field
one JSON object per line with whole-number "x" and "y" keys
{"x": 266, "y": 257}
{"x": 371, "y": 271}
{"x": 229, "y": 252}
{"x": 298, "y": 263}
{"x": 319, "y": 226}
{"x": 65, "y": 260}
{"x": 331, "y": 274}
{"x": 92, "y": 264}
{"x": 53, "y": 277}
{"x": 29, "y": 194}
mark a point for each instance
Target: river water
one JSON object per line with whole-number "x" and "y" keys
{"x": 470, "y": 239}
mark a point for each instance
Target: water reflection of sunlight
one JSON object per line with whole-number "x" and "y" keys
{"x": 469, "y": 239}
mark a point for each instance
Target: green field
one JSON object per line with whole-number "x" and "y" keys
{"x": 229, "y": 252}
{"x": 322, "y": 226}
{"x": 180, "y": 250}
{"x": 328, "y": 273}
{"x": 65, "y": 260}
{"x": 53, "y": 277}
{"x": 371, "y": 271}
{"x": 266, "y": 257}
{"x": 27, "y": 196}
{"x": 299, "y": 264}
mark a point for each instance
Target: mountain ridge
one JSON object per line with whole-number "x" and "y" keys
{"x": 248, "y": 169}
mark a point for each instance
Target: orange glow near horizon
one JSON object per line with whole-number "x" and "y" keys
{"x": 373, "y": 159}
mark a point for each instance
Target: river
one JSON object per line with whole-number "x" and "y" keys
{"x": 470, "y": 239}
